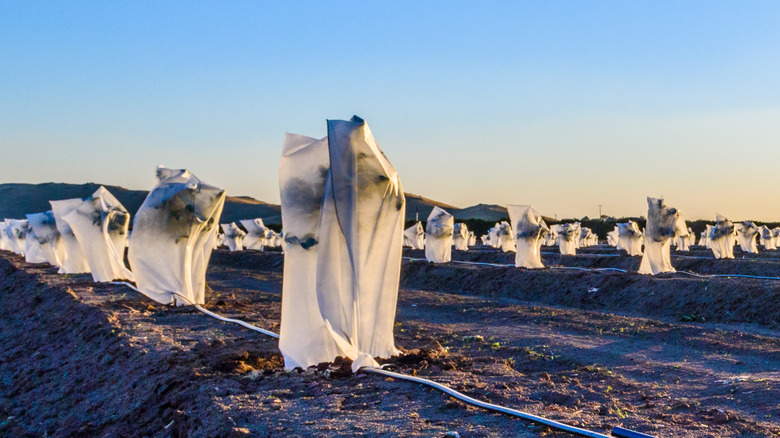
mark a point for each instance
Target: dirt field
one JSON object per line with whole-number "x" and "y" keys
{"x": 672, "y": 356}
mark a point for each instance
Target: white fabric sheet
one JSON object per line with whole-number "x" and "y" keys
{"x": 566, "y": 236}
{"x": 343, "y": 212}
{"x": 100, "y": 224}
{"x": 73, "y": 259}
{"x": 529, "y": 231}
{"x": 173, "y": 235}
{"x": 746, "y": 235}
{"x": 438, "y": 236}
{"x": 414, "y": 236}
{"x": 663, "y": 223}
{"x": 630, "y": 238}
{"x": 45, "y": 229}
{"x": 722, "y": 237}
{"x": 255, "y": 234}
{"x": 460, "y": 237}
{"x": 233, "y": 236}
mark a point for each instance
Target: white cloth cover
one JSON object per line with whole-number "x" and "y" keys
{"x": 33, "y": 253}
{"x": 682, "y": 243}
{"x": 17, "y": 234}
{"x": 233, "y": 236}
{"x": 414, "y": 236}
{"x": 566, "y": 236}
{"x": 549, "y": 239}
{"x": 472, "y": 239}
{"x": 460, "y": 237}
{"x": 586, "y": 237}
{"x": 530, "y": 231}
{"x": 776, "y": 234}
{"x": 484, "y": 239}
{"x": 663, "y": 223}
{"x": 100, "y": 224}
{"x": 73, "y": 259}
{"x": 746, "y": 235}
{"x": 173, "y": 235}
{"x": 506, "y": 237}
{"x": 4, "y": 241}
{"x": 343, "y": 212}
{"x": 722, "y": 237}
{"x": 438, "y": 236}
{"x": 613, "y": 237}
{"x": 255, "y": 233}
{"x": 45, "y": 230}
{"x": 629, "y": 238}
{"x": 767, "y": 238}
{"x": 493, "y": 236}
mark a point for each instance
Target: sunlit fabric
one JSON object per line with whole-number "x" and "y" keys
{"x": 173, "y": 235}
{"x": 460, "y": 237}
{"x": 414, "y": 236}
{"x": 663, "y": 223}
{"x": 100, "y": 224}
{"x": 629, "y": 238}
{"x": 439, "y": 229}
{"x": 73, "y": 259}
{"x": 16, "y": 231}
{"x": 233, "y": 236}
{"x": 44, "y": 228}
{"x": 746, "y": 236}
{"x": 343, "y": 212}
{"x": 767, "y": 238}
{"x": 566, "y": 236}
{"x": 722, "y": 237}
{"x": 529, "y": 232}
{"x": 506, "y": 237}
{"x": 255, "y": 234}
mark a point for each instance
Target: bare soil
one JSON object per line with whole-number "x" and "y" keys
{"x": 672, "y": 356}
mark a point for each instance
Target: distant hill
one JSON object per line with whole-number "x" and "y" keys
{"x": 16, "y": 200}
{"x": 486, "y": 212}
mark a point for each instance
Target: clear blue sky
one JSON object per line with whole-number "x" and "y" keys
{"x": 564, "y": 104}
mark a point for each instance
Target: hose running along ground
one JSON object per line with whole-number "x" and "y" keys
{"x": 443, "y": 388}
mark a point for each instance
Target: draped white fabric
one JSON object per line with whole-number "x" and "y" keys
{"x": 722, "y": 237}
{"x": 529, "y": 231}
{"x": 566, "y": 237}
{"x": 613, "y": 237}
{"x": 767, "y": 238}
{"x": 460, "y": 237}
{"x": 173, "y": 235}
{"x": 100, "y": 224}
{"x": 506, "y": 237}
{"x": 472, "y": 239}
{"x": 233, "y": 236}
{"x": 5, "y": 244}
{"x": 414, "y": 236}
{"x": 343, "y": 212}
{"x": 44, "y": 228}
{"x": 629, "y": 238}
{"x": 73, "y": 259}
{"x": 747, "y": 232}
{"x": 33, "y": 253}
{"x": 17, "y": 234}
{"x": 438, "y": 236}
{"x": 255, "y": 234}
{"x": 663, "y": 223}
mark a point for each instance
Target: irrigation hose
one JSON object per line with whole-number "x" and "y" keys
{"x": 440, "y": 387}
{"x": 489, "y": 406}
{"x": 210, "y": 313}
